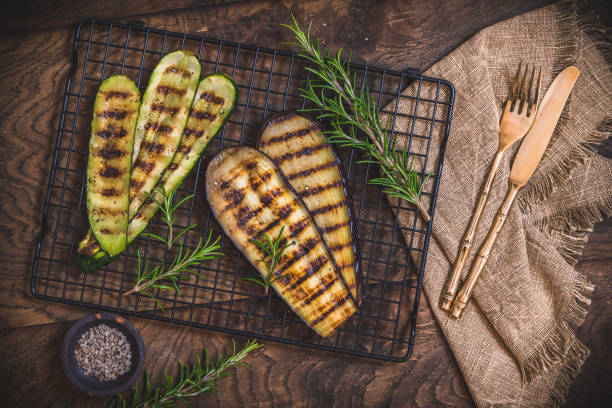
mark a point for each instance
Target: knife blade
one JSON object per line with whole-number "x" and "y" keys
{"x": 532, "y": 149}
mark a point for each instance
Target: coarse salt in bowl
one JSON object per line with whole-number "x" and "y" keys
{"x": 103, "y": 354}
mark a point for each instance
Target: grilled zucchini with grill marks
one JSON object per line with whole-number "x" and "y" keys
{"x": 215, "y": 99}
{"x": 298, "y": 147}
{"x": 110, "y": 160}
{"x": 163, "y": 115}
{"x": 249, "y": 197}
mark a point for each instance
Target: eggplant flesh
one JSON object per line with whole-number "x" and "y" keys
{"x": 249, "y": 197}
{"x": 299, "y": 148}
{"x": 110, "y": 161}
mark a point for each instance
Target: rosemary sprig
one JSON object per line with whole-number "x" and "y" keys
{"x": 274, "y": 249}
{"x": 353, "y": 108}
{"x": 162, "y": 276}
{"x": 167, "y": 208}
{"x": 191, "y": 382}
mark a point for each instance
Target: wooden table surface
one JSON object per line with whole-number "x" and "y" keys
{"x": 35, "y": 48}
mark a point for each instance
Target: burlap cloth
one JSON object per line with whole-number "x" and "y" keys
{"x": 514, "y": 344}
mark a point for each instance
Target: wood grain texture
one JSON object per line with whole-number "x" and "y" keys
{"x": 392, "y": 34}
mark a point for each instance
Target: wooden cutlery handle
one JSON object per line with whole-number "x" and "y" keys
{"x": 485, "y": 250}
{"x": 452, "y": 284}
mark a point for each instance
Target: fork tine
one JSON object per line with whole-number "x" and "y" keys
{"x": 529, "y": 101}
{"x": 536, "y": 97}
{"x": 513, "y": 91}
{"x": 522, "y": 95}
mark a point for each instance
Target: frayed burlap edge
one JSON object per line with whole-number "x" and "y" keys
{"x": 570, "y": 230}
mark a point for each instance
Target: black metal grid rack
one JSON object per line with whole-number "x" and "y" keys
{"x": 392, "y": 256}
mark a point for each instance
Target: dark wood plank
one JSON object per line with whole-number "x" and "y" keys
{"x": 391, "y": 34}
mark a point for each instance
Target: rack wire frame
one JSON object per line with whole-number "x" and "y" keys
{"x": 393, "y": 257}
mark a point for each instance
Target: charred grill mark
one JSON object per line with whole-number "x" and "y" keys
{"x": 329, "y": 311}
{"x": 114, "y": 114}
{"x": 319, "y": 189}
{"x": 112, "y": 133}
{"x": 262, "y": 179}
{"x": 110, "y": 153}
{"x": 146, "y": 166}
{"x": 224, "y": 185}
{"x": 335, "y": 227}
{"x": 113, "y": 212}
{"x": 107, "y": 231}
{"x": 268, "y": 227}
{"x": 158, "y": 127}
{"x": 289, "y": 135}
{"x": 297, "y": 254}
{"x": 285, "y": 211}
{"x": 326, "y": 208}
{"x": 167, "y": 89}
{"x": 181, "y": 71}
{"x": 296, "y": 228}
{"x": 245, "y": 214}
{"x": 136, "y": 185}
{"x": 310, "y": 270}
{"x": 116, "y": 94}
{"x": 110, "y": 172}
{"x": 269, "y": 196}
{"x": 192, "y": 132}
{"x": 319, "y": 292}
{"x": 308, "y": 172}
{"x": 173, "y": 166}
{"x": 212, "y": 98}
{"x": 202, "y": 115}
{"x": 160, "y": 107}
{"x": 234, "y": 197}
{"x": 339, "y": 247}
{"x": 251, "y": 165}
{"x": 110, "y": 192}
{"x": 305, "y": 151}
{"x": 184, "y": 149}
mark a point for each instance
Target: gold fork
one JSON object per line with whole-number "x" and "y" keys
{"x": 518, "y": 116}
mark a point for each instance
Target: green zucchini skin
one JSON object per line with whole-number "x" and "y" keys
{"x": 215, "y": 100}
{"x": 110, "y": 160}
{"x": 198, "y": 133}
{"x": 163, "y": 116}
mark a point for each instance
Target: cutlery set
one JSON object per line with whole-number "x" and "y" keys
{"x": 523, "y": 117}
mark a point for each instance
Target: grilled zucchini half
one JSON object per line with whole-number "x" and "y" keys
{"x": 110, "y": 160}
{"x": 163, "y": 116}
{"x": 308, "y": 162}
{"x": 249, "y": 196}
{"x": 215, "y": 100}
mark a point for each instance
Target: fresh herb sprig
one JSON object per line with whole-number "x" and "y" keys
{"x": 167, "y": 208}
{"x": 162, "y": 276}
{"x": 165, "y": 276}
{"x": 274, "y": 249}
{"x": 351, "y": 108}
{"x": 191, "y": 382}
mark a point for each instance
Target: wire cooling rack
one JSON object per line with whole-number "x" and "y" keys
{"x": 392, "y": 255}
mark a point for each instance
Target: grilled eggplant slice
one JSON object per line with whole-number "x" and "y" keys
{"x": 215, "y": 100}
{"x": 249, "y": 196}
{"x": 163, "y": 115}
{"x": 110, "y": 160}
{"x": 299, "y": 148}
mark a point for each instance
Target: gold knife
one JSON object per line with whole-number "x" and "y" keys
{"x": 525, "y": 162}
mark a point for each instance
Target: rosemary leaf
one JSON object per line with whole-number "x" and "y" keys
{"x": 192, "y": 381}
{"x": 350, "y": 108}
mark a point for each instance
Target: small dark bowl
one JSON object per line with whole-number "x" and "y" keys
{"x": 90, "y": 384}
